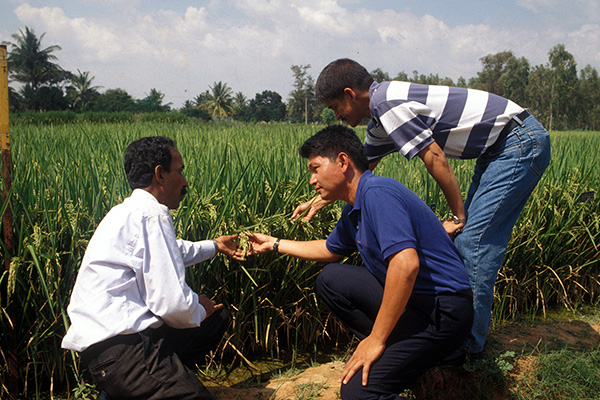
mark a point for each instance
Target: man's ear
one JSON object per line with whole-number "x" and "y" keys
{"x": 344, "y": 161}
{"x": 350, "y": 93}
{"x": 158, "y": 174}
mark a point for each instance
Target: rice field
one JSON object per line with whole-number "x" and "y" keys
{"x": 249, "y": 177}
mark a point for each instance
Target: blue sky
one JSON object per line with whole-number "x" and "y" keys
{"x": 182, "y": 47}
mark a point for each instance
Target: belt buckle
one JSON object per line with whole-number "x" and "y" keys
{"x": 518, "y": 120}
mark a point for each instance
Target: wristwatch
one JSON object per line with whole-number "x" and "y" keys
{"x": 457, "y": 220}
{"x": 276, "y": 245}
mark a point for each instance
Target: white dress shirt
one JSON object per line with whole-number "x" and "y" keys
{"x": 132, "y": 276}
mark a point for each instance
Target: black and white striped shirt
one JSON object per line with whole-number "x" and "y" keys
{"x": 408, "y": 117}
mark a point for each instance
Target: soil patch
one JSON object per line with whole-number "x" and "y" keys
{"x": 513, "y": 345}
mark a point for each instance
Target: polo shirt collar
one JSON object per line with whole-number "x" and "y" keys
{"x": 359, "y": 191}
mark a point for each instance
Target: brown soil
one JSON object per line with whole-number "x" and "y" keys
{"x": 456, "y": 382}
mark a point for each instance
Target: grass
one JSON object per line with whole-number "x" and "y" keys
{"x": 563, "y": 374}
{"x": 553, "y": 357}
{"x": 308, "y": 391}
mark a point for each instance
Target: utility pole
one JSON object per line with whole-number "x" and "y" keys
{"x": 305, "y": 110}
{"x": 7, "y": 228}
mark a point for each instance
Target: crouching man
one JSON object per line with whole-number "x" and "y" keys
{"x": 137, "y": 324}
{"x": 412, "y": 305}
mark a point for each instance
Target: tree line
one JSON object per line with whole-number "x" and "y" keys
{"x": 558, "y": 95}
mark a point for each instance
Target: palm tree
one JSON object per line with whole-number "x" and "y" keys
{"x": 219, "y": 101}
{"x": 82, "y": 86}
{"x": 30, "y": 64}
{"x": 240, "y": 100}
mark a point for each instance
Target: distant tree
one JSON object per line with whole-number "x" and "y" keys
{"x": 564, "y": 78}
{"x": 402, "y": 76}
{"x": 192, "y": 110}
{"x": 239, "y": 100}
{"x": 32, "y": 65}
{"x": 588, "y": 95}
{"x": 515, "y": 79}
{"x": 328, "y": 116}
{"x": 302, "y": 105}
{"x": 51, "y": 98}
{"x": 81, "y": 89}
{"x": 539, "y": 93}
{"x": 551, "y": 89}
{"x": 218, "y": 101}
{"x": 201, "y": 99}
{"x": 153, "y": 102}
{"x": 187, "y": 106}
{"x": 494, "y": 66}
{"x": 267, "y": 106}
{"x": 240, "y": 105}
{"x": 380, "y": 76}
{"x": 461, "y": 82}
{"x": 15, "y": 100}
{"x": 114, "y": 100}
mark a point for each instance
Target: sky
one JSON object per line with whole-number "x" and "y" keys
{"x": 183, "y": 47}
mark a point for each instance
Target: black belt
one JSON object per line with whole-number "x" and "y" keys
{"x": 515, "y": 121}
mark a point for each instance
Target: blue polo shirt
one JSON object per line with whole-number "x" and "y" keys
{"x": 387, "y": 218}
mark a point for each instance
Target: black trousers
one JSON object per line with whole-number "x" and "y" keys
{"x": 431, "y": 327}
{"x": 155, "y": 363}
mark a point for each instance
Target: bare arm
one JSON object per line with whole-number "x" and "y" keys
{"x": 313, "y": 250}
{"x": 399, "y": 282}
{"x": 438, "y": 167}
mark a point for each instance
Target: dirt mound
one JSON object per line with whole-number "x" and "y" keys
{"x": 514, "y": 343}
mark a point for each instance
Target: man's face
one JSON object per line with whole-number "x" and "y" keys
{"x": 174, "y": 182}
{"x": 345, "y": 109}
{"x": 327, "y": 177}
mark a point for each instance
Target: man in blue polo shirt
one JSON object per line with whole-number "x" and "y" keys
{"x": 435, "y": 123}
{"x": 412, "y": 304}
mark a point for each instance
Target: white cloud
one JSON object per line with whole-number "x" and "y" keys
{"x": 251, "y": 44}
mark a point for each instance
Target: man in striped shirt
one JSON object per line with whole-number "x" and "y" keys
{"x": 439, "y": 122}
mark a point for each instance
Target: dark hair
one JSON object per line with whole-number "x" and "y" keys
{"x": 143, "y": 155}
{"x": 333, "y": 140}
{"x": 341, "y": 74}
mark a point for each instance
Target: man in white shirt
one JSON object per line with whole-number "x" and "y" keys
{"x": 137, "y": 324}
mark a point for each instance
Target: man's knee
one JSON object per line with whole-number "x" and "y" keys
{"x": 354, "y": 390}
{"x": 324, "y": 278}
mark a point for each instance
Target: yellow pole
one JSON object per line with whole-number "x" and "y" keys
{"x": 7, "y": 225}
{"x": 5, "y": 145}
{"x": 4, "y": 129}
{"x": 6, "y": 161}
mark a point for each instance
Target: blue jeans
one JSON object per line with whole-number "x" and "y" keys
{"x": 503, "y": 180}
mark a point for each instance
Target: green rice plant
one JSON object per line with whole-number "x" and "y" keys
{"x": 249, "y": 178}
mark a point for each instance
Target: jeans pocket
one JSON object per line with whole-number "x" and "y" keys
{"x": 540, "y": 152}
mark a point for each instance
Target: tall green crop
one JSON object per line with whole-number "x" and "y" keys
{"x": 250, "y": 177}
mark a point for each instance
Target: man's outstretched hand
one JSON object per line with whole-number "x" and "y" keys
{"x": 228, "y": 245}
